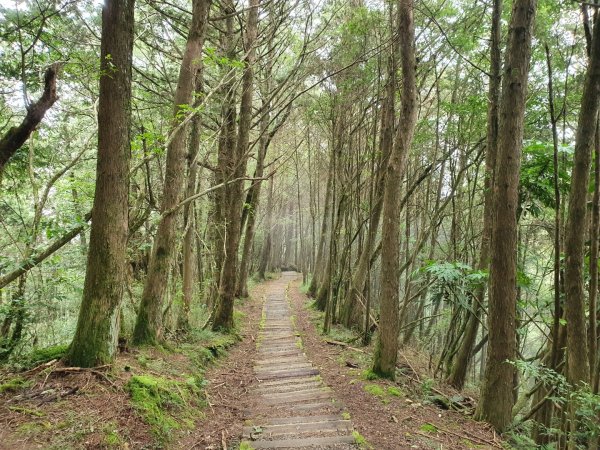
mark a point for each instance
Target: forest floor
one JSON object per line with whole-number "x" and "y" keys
{"x": 199, "y": 394}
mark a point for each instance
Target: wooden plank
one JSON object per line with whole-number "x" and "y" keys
{"x": 331, "y": 426}
{"x": 306, "y": 442}
{"x": 296, "y": 397}
{"x": 300, "y": 379}
{"x": 298, "y": 419}
{"x": 289, "y": 387}
{"x": 286, "y": 374}
{"x": 282, "y": 359}
{"x": 283, "y": 366}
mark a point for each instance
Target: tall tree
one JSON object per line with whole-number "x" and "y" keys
{"x": 461, "y": 364}
{"x": 386, "y": 352}
{"x": 148, "y": 326}
{"x": 496, "y": 401}
{"x": 578, "y": 367}
{"x": 237, "y": 164}
{"x": 95, "y": 340}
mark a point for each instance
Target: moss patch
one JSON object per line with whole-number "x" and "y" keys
{"x": 14, "y": 385}
{"x": 43, "y": 355}
{"x": 375, "y": 390}
{"x": 165, "y": 404}
{"x": 396, "y": 392}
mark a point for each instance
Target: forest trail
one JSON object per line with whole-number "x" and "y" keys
{"x": 293, "y": 408}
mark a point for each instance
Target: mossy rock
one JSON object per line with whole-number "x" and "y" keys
{"x": 166, "y": 404}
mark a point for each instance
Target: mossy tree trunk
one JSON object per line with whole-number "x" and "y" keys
{"x": 96, "y": 335}
{"x": 148, "y": 326}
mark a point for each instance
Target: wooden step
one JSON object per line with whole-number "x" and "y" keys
{"x": 331, "y": 426}
{"x": 296, "y": 396}
{"x": 298, "y": 419}
{"x": 286, "y": 374}
{"x": 304, "y": 443}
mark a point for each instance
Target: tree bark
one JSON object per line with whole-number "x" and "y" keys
{"x": 148, "y": 326}
{"x": 496, "y": 401}
{"x": 96, "y": 335}
{"x": 386, "y": 352}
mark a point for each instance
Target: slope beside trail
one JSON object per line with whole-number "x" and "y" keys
{"x": 292, "y": 407}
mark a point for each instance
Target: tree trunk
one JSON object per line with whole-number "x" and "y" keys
{"x": 266, "y": 249}
{"x": 577, "y": 348}
{"x": 459, "y": 369}
{"x": 224, "y": 313}
{"x": 96, "y": 335}
{"x": 148, "y": 326}
{"x": 496, "y": 401}
{"x": 386, "y": 352}
{"x": 189, "y": 223}
{"x": 254, "y": 200}
{"x": 578, "y": 368}
{"x": 359, "y": 276}
{"x": 320, "y": 261}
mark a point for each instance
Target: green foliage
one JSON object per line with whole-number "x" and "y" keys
{"x": 245, "y": 445}
{"x": 165, "y": 404}
{"x": 586, "y": 403}
{"x": 453, "y": 281}
{"x": 536, "y": 189}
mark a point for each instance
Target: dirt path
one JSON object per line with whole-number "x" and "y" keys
{"x": 292, "y": 407}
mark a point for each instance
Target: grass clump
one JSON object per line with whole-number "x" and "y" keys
{"x": 245, "y": 445}
{"x": 14, "y": 385}
{"x": 165, "y": 404}
{"x": 360, "y": 440}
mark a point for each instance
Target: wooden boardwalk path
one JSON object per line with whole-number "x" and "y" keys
{"x": 293, "y": 407}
